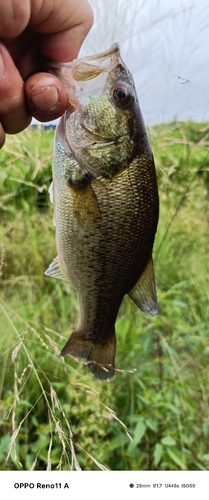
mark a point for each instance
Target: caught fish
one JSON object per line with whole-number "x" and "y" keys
{"x": 105, "y": 198}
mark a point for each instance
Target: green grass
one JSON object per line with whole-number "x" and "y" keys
{"x": 154, "y": 413}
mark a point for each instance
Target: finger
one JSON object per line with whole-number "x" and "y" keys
{"x": 63, "y": 25}
{"x": 14, "y": 18}
{"x": 2, "y": 136}
{"x": 46, "y": 97}
{"x": 14, "y": 115}
{"x": 65, "y": 30}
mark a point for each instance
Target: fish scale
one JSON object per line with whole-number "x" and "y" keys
{"x": 105, "y": 204}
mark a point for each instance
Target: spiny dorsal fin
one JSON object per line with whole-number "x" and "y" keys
{"x": 144, "y": 292}
{"x": 54, "y": 270}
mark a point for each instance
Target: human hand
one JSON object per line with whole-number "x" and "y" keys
{"x": 32, "y": 31}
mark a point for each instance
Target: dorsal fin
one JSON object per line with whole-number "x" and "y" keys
{"x": 144, "y": 292}
{"x": 55, "y": 271}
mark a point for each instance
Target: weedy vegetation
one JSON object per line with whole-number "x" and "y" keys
{"x": 154, "y": 414}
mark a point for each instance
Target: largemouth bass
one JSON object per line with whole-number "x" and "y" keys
{"x": 105, "y": 203}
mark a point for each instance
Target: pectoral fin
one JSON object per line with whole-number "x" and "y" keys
{"x": 51, "y": 197}
{"x": 55, "y": 271}
{"x": 144, "y": 292}
{"x": 51, "y": 192}
{"x": 86, "y": 209}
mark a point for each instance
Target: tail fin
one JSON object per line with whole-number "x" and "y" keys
{"x": 100, "y": 357}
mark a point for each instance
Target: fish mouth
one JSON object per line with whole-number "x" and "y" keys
{"x": 92, "y": 66}
{"x": 88, "y": 67}
{"x": 92, "y": 71}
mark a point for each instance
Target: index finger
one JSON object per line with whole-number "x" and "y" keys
{"x": 64, "y": 30}
{"x": 14, "y": 115}
{"x": 61, "y": 25}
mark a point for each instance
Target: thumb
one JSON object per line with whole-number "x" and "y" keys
{"x": 46, "y": 97}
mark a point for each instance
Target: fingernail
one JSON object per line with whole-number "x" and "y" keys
{"x": 2, "y": 67}
{"x": 46, "y": 98}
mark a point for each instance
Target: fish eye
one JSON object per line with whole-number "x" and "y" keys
{"x": 122, "y": 96}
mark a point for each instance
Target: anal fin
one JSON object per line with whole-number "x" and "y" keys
{"x": 54, "y": 270}
{"x": 143, "y": 293}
